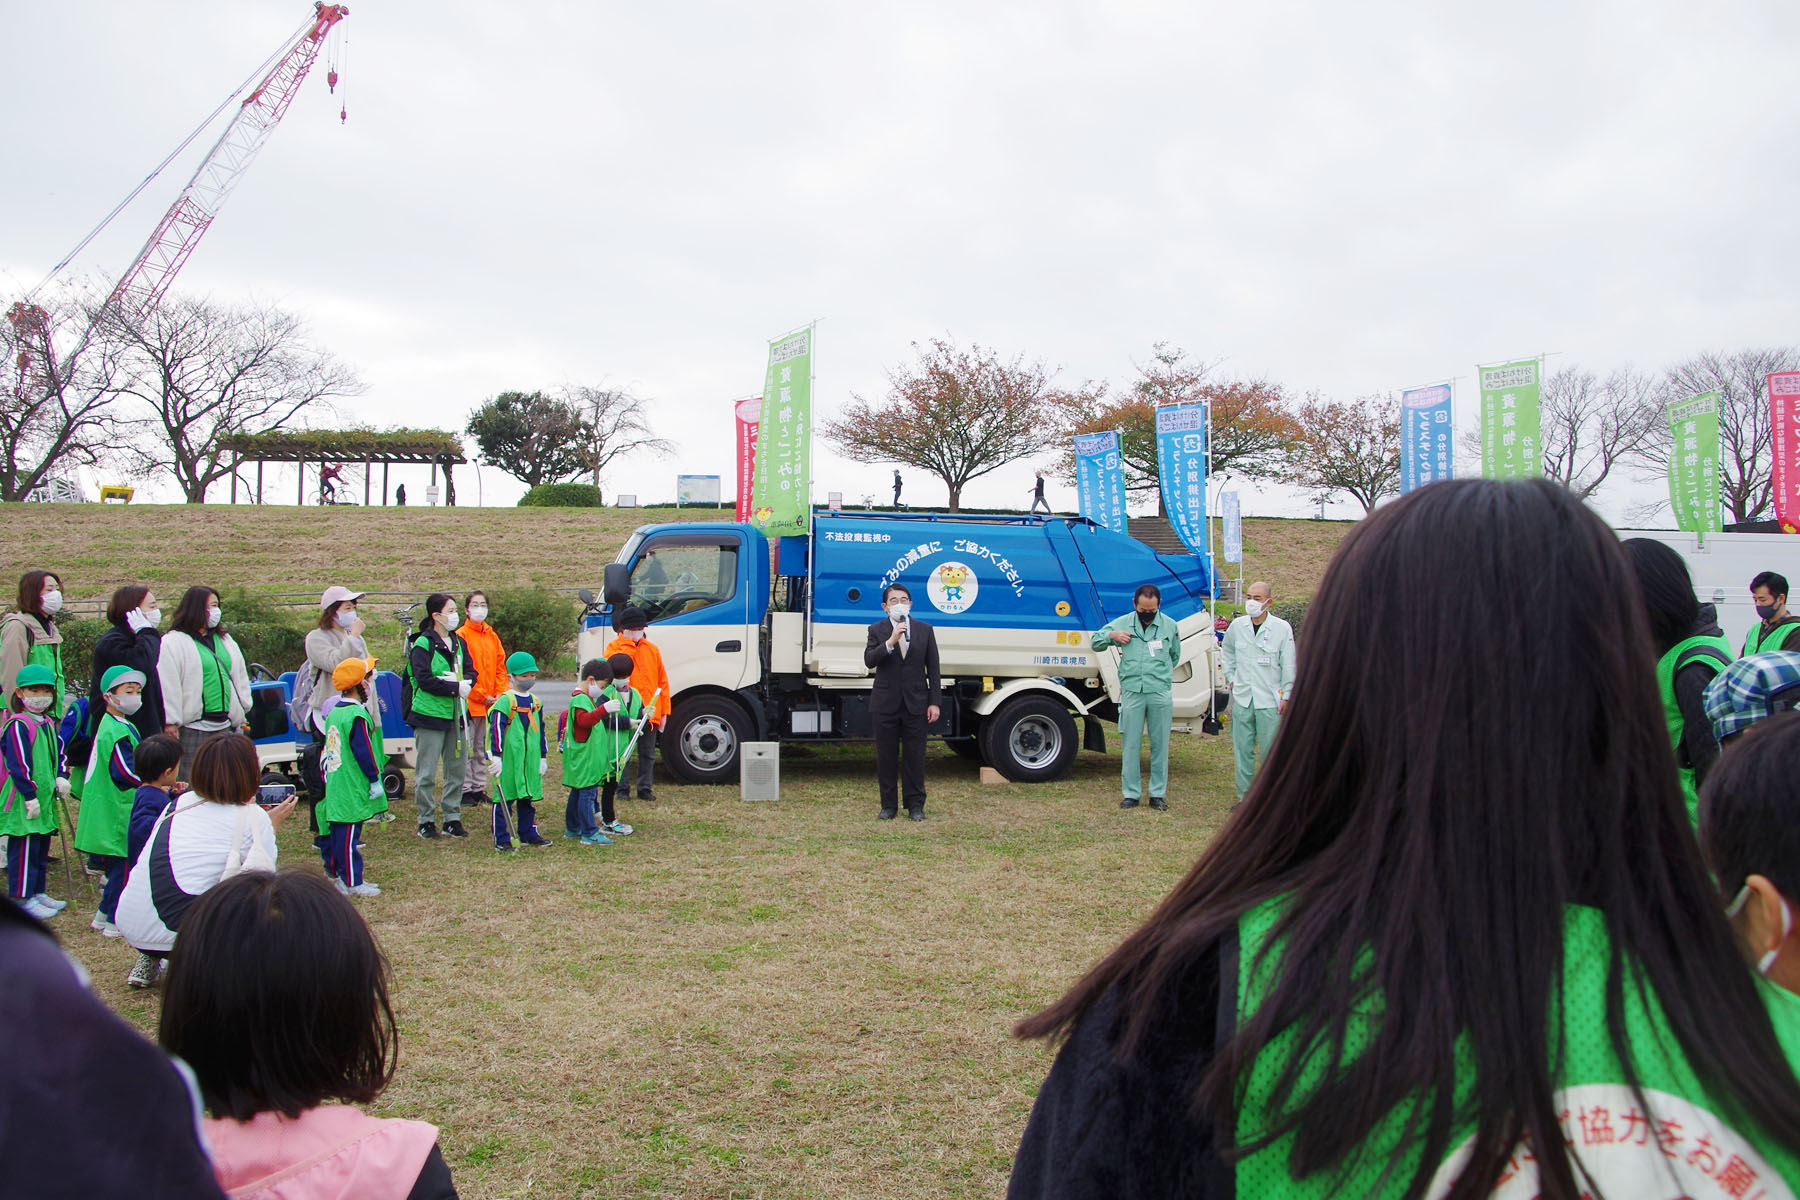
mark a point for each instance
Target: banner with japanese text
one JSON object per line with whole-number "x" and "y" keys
{"x": 781, "y": 500}
{"x": 1181, "y": 464}
{"x": 1694, "y": 463}
{"x": 749, "y": 413}
{"x": 1784, "y": 426}
{"x": 1100, "y": 480}
{"x": 1232, "y": 519}
{"x": 1511, "y": 439}
{"x": 1427, "y": 431}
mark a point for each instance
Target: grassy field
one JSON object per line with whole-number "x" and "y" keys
{"x": 288, "y": 549}
{"x": 742, "y": 1000}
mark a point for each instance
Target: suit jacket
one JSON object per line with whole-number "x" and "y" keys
{"x": 911, "y": 683}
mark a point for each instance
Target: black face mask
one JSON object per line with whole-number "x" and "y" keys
{"x": 1146, "y": 619}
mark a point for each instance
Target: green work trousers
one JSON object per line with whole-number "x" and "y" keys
{"x": 1138, "y": 711}
{"x": 1252, "y": 729}
{"x": 435, "y": 746}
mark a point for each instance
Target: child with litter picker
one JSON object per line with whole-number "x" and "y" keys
{"x": 108, "y": 789}
{"x": 622, "y": 729}
{"x": 352, "y": 763}
{"x": 584, "y": 750}
{"x": 518, "y": 754}
{"x": 34, "y": 775}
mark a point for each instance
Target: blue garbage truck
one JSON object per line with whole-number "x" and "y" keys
{"x": 764, "y": 640}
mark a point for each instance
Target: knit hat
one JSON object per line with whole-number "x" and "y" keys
{"x": 633, "y": 618}
{"x": 351, "y": 672}
{"x": 35, "y": 675}
{"x": 520, "y": 663}
{"x": 1751, "y": 689}
{"x": 120, "y": 674}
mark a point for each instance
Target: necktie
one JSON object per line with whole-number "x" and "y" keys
{"x": 905, "y": 640}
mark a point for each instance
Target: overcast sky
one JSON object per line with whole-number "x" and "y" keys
{"x": 1342, "y": 197}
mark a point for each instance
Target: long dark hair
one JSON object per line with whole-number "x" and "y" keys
{"x": 1473, "y": 744}
{"x": 1668, "y": 592}
{"x": 434, "y": 604}
{"x": 190, "y": 614}
{"x": 31, "y": 595}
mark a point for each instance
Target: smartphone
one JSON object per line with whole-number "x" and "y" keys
{"x": 271, "y": 794}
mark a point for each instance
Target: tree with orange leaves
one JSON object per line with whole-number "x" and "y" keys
{"x": 1348, "y": 446}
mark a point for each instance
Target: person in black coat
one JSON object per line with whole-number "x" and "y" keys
{"x": 133, "y": 641}
{"x": 903, "y": 702}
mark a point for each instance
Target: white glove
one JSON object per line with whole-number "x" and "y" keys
{"x": 543, "y": 766}
{"x": 450, "y": 677}
{"x": 62, "y": 787}
{"x": 465, "y": 687}
{"x": 493, "y": 767}
{"x": 32, "y": 809}
{"x": 610, "y": 707}
{"x": 376, "y": 791}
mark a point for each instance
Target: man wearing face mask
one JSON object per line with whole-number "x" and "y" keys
{"x": 1779, "y": 629}
{"x": 903, "y": 701}
{"x": 1752, "y": 840}
{"x": 1258, "y": 658}
{"x": 1149, "y": 651}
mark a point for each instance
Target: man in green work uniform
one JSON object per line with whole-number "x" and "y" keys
{"x": 1779, "y": 629}
{"x": 1259, "y": 673}
{"x": 1149, "y": 651}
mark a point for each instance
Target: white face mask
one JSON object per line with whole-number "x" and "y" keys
{"x": 38, "y": 704}
{"x": 138, "y": 619}
{"x": 449, "y": 620}
{"x": 634, "y": 635}
{"x": 1767, "y": 961}
{"x": 213, "y": 616}
{"x": 346, "y": 618}
{"x": 478, "y": 613}
{"x": 129, "y": 704}
{"x": 52, "y": 602}
{"x": 899, "y": 610}
{"x": 1254, "y": 607}
{"x": 594, "y": 690}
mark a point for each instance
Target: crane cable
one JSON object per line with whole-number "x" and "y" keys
{"x": 173, "y": 154}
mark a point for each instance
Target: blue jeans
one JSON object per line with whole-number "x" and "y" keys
{"x": 27, "y": 862}
{"x": 578, "y": 817}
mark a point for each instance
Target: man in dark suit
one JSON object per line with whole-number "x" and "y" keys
{"x": 904, "y": 700}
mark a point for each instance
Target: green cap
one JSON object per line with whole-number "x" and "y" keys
{"x": 35, "y": 675}
{"x": 120, "y": 674}
{"x": 520, "y": 663}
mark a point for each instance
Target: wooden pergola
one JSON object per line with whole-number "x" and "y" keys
{"x": 395, "y": 447}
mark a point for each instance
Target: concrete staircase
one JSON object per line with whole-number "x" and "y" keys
{"x": 1157, "y": 533}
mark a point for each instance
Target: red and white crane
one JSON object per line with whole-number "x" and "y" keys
{"x": 142, "y": 284}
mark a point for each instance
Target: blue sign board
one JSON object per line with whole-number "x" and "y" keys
{"x": 1427, "y": 436}
{"x": 1232, "y": 517}
{"x": 1100, "y": 479}
{"x": 1181, "y": 461}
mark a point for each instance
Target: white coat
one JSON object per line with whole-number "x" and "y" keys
{"x": 179, "y": 668}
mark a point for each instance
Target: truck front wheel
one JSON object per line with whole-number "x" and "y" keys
{"x": 702, "y": 739}
{"x": 1030, "y": 740}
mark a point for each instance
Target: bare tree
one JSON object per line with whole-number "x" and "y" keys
{"x": 958, "y": 414}
{"x": 1746, "y": 450}
{"x": 56, "y": 410}
{"x": 210, "y": 371}
{"x": 615, "y": 423}
{"x": 1349, "y": 447}
{"x": 1592, "y": 425}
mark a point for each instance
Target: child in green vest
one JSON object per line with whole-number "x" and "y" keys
{"x": 518, "y": 754}
{"x": 617, "y": 738}
{"x": 583, "y": 749}
{"x": 352, "y": 763}
{"x": 34, "y": 774}
{"x": 108, "y": 788}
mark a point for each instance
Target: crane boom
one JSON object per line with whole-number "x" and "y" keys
{"x": 141, "y": 286}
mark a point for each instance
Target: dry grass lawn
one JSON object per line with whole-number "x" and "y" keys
{"x": 752, "y": 1000}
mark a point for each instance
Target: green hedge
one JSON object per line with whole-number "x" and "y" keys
{"x": 79, "y": 639}
{"x": 1291, "y": 611}
{"x": 541, "y": 623}
{"x": 562, "y": 495}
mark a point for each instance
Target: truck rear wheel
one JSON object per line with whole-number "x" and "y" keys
{"x": 702, "y": 739}
{"x": 1030, "y": 740}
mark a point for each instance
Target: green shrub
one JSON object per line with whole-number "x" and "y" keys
{"x": 543, "y": 624}
{"x": 79, "y": 638}
{"x": 274, "y": 637}
{"x": 1291, "y": 611}
{"x": 562, "y": 495}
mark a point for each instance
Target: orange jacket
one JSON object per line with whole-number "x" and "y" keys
{"x": 488, "y": 657}
{"x": 647, "y": 673}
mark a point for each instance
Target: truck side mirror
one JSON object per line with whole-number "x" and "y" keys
{"x": 585, "y": 595}
{"x": 616, "y": 583}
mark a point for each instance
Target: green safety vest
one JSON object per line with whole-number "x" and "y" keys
{"x": 1680, "y": 1145}
{"x": 40, "y": 735}
{"x": 1701, "y": 646}
{"x": 521, "y": 747}
{"x": 614, "y": 741}
{"x": 215, "y": 674}
{"x": 347, "y": 798}
{"x": 424, "y": 703}
{"x": 582, "y": 762}
{"x": 1779, "y": 638}
{"x": 49, "y": 654}
{"x": 105, "y": 816}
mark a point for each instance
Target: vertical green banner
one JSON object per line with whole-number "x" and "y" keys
{"x": 1512, "y": 444}
{"x": 1694, "y": 463}
{"x": 781, "y": 501}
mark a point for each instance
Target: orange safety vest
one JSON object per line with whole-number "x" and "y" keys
{"x": 647, "y": 673}
{"x": 489, "y": 659}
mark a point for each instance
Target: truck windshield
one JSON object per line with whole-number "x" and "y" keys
{"x": 682, "y": 573}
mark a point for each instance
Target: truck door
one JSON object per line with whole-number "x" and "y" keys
{"x": 703, "y": 615}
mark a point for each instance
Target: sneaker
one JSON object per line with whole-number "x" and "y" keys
{"x": 429, "y": 830}
{"x": 33, "y": 909}
{"x": 646, "y": 794}
{"x": 365, "y": 888}
{"x": 503, "y": 847}
{"x": 143, "y": 972}
{"x": 54, "y": 906}
{"x": 596, "y": 839}
{"x": 385, "y": 817}
{"x": 455, "y": 829}
{"x": 570, "y": 833}
{"x": 617, "y": 828}
{"x": 343, "y": 889}
{"x": 104, "y": 924}
{"x": 534, "y": 840}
